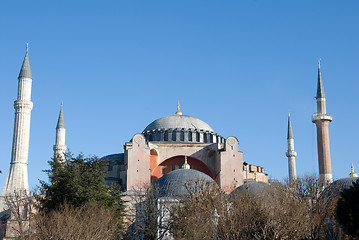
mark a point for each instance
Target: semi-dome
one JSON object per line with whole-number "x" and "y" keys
{"x": 177, "y": 121}
{"x": 179, "y": 182}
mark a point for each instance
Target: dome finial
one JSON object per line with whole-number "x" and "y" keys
{"x": 27, "y": 47}
{"x": 186, "y": 165}
{"x": 178, "y": 109}
{"x": 353, "y": 174}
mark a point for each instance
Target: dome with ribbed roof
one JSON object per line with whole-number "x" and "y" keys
{"x": 180, "y": 182}
{"x": 181, "y": 128}
{"x": 177, "y": 121}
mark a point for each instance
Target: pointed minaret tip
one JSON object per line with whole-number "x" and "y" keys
{"x": 178, "y": 109}
{"x": 290, "y": 131}
{"x": 320, "y": 88}
{"x": 61, "y": 120}
{"x": 25, "y": 71}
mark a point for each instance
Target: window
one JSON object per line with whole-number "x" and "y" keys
{"x": 109, "y": 167}
{"x": 173, "y": 167}
{"x": 163, "y": 170}
{"x": 182, "y": 136}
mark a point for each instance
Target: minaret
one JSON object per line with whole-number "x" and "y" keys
{"x": 322, "y": 120}
{"x": 60, "y": 147}
{"x": 291, "y": 154}
{"x": 17, "y": 179}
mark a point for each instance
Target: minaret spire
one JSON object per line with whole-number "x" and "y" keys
{"x": 322, "y": 120}
{"x": 320, "y": 88}
{"x": 291, "y": 154}
{"x": 290, "y": 131}
{"x": 17, "y": 179}
{"x": 61, "y": 120}
{"x": 60, "y": 147}
{"x": 25, "y": 71}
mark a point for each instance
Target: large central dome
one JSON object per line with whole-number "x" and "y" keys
{"x": 181, "y": 128}
{"x": 177, "y": 121}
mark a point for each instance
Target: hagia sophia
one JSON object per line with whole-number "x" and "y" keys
{"x": 170, "y": 149}
{"x": 165, "y": 143}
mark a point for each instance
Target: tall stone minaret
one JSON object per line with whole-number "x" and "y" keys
{"x": 322, "y": 120}
{"x": 60, "y": 147}
{"x": 17, "y": 179}
{"x": 291, "y": 154}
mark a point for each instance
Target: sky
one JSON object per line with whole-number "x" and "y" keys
{"x": 238, "y": 65}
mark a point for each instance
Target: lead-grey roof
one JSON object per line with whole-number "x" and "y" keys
{"x": 25, "y": 71}
{"x": 180, "y": 182}
{"x": 117, "y": 158}
{"x": 335, "y": 188}
{"x": 178, "y": 122}
{"x": 290, "y": 131}
{"x": 254, "y": 188}
{"x": 61, "y": 120}
{"x": 320, "y": 88}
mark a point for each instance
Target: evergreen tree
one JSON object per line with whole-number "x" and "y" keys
{"x": 347, "y": 211}
{"x": 78, "y": 181}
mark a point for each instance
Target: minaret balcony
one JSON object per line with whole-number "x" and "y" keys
{"x": 291, "y": 154}
{"x": 321, "y": 116}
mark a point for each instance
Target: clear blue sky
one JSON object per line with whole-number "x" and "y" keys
{"x": 240, "y": 66}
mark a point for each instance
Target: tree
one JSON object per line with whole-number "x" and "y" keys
{"x": 17, "y": 216}
{"x": 347, "y": 210}
{"x": 78, "y": 181}
{"x": 67, "y": 222}
{"x": 280, "y": 212}
{"x": 192, "y": 216}
{"x": 149, "y": 221}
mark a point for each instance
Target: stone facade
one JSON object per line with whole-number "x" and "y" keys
{"x": 163, "y": 146}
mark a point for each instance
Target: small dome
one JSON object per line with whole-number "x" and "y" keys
{"x": 335, "y": 188}
{"x": 116, "y": 156}
{"x": 180, "y": 181}
{"x": 177, "y": 121}
{"x": 255, "y": 188}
